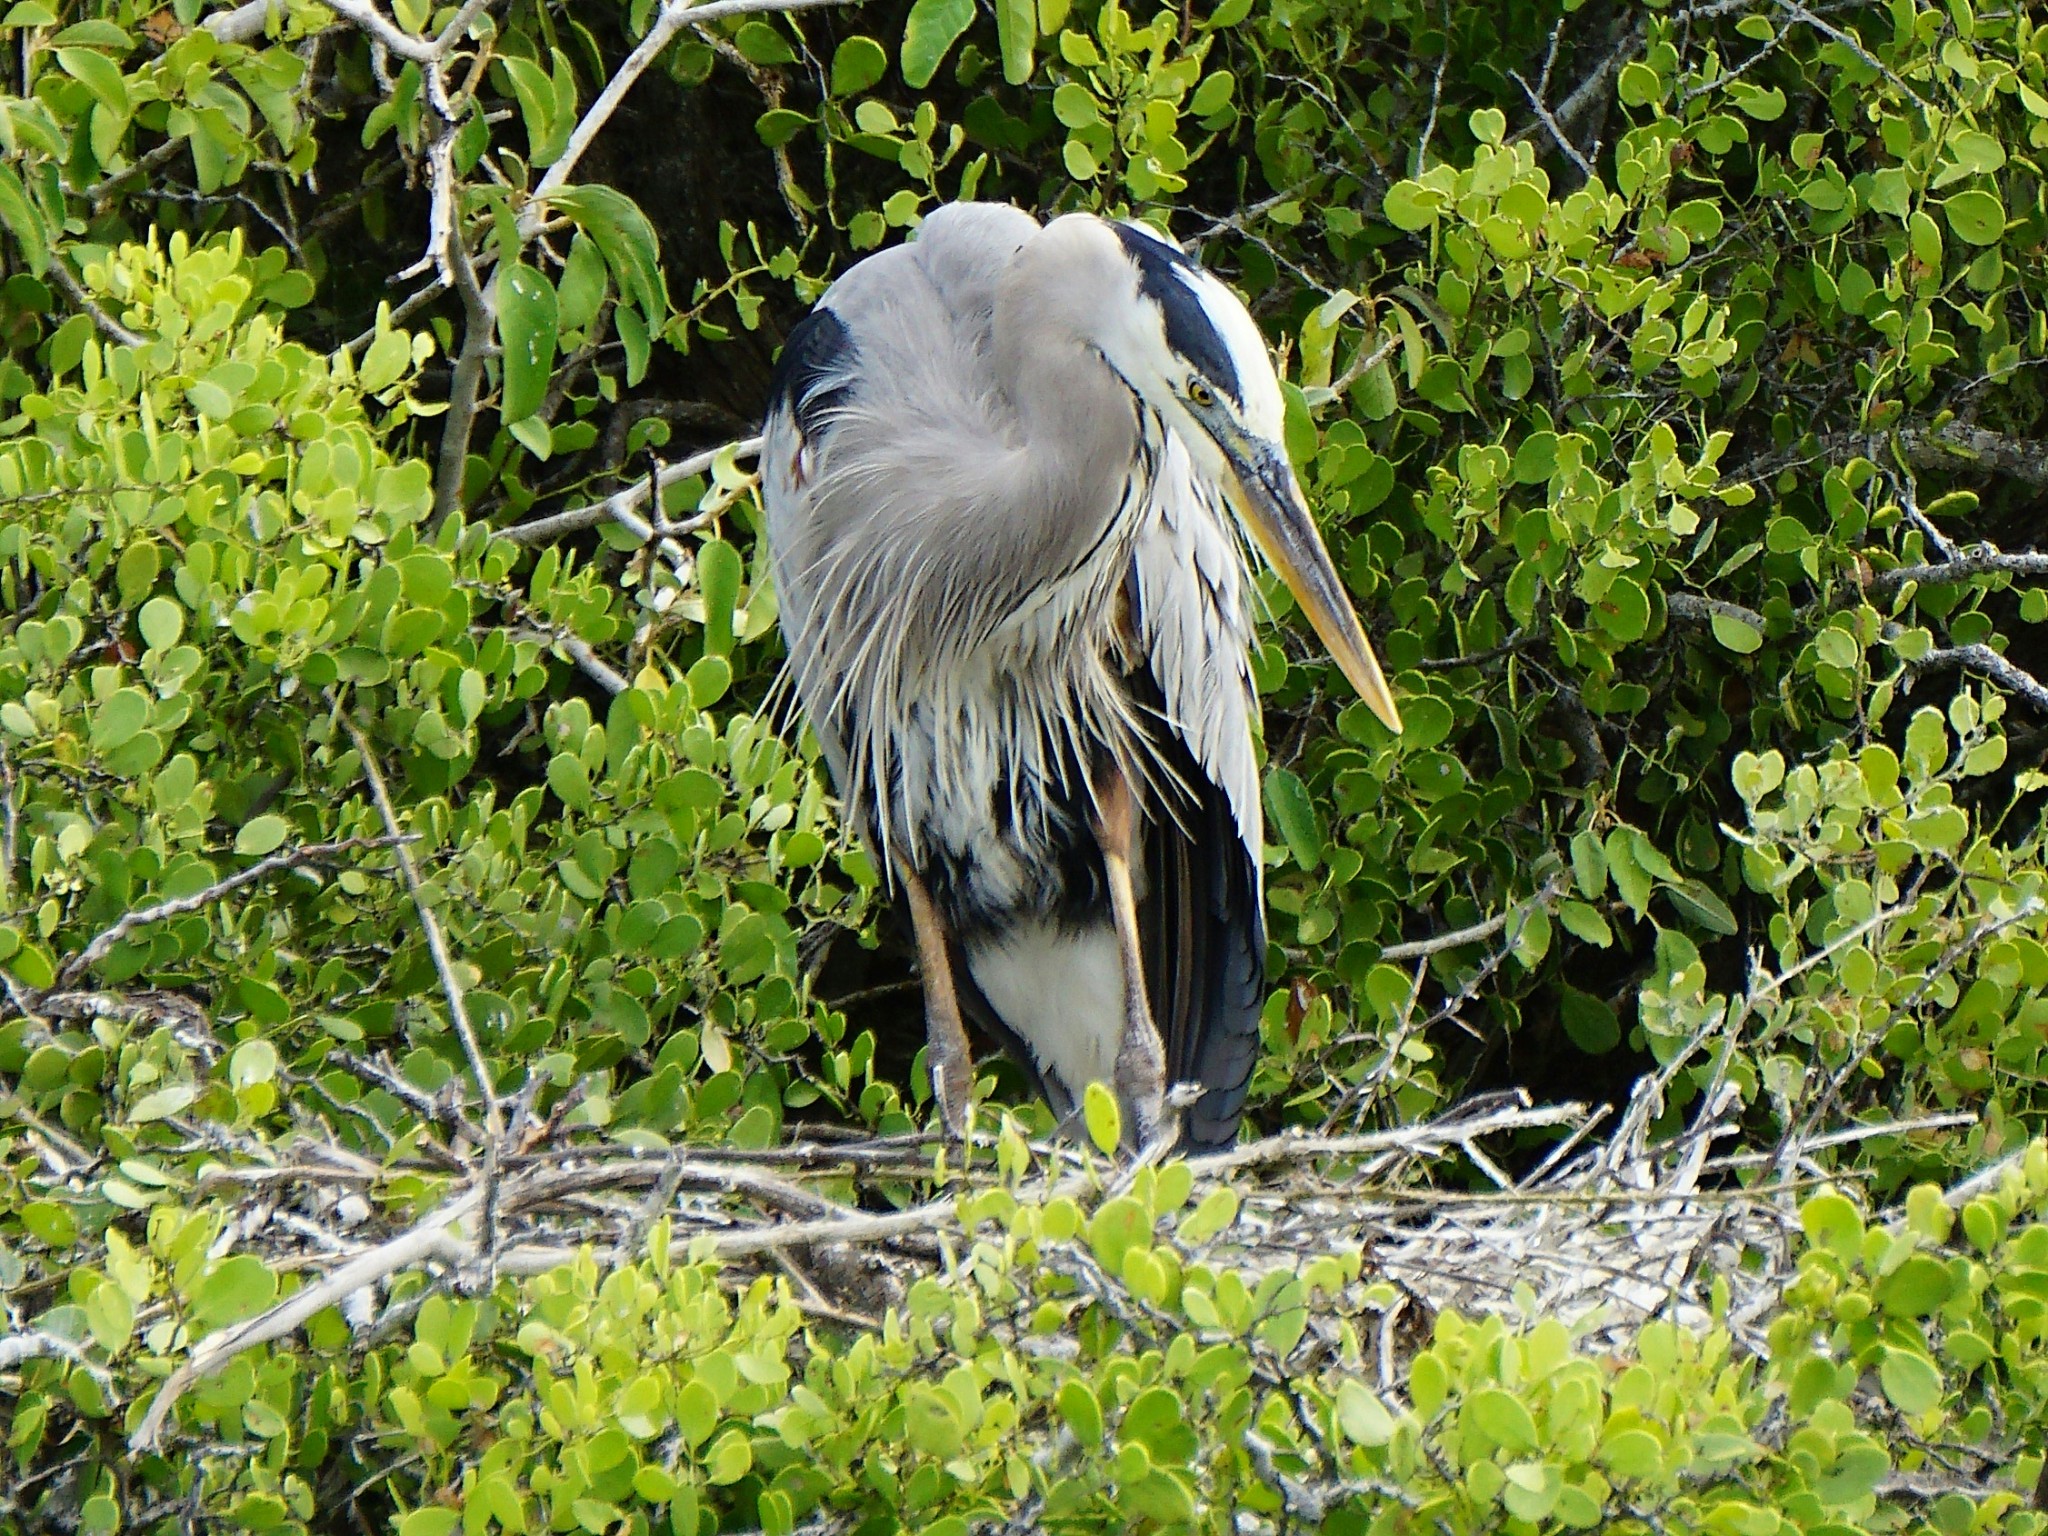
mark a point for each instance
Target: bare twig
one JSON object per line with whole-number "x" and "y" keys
{"x": 1436, "y": 99}
{"x": 431, "y": 1238}
{"x": 1980, "y": 560}
{"x": 1430, "y": 1137}
{"x": 1854, "y": 44}
{"x": 113, "y": 329}
{"x": 577, "y": 649}
{"x": 245, "y": 23}
{"x": 34, "y": 1344}
{"x": 672, "y": 18}
{"x": 1982, "y": 659}
{"x": 1557, "y": 133}
{"x": 10, "y": 825}
{"x": 1691, "y": 608}
{"x": 444, "y": 967}
{"x": 292, "y": 858}
{"x": 1415, "y": 949}
{"x": 622, "y": 507}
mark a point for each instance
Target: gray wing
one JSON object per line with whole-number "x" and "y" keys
{"x": 1203, "y": 912}
{"x": 910, "y": 324}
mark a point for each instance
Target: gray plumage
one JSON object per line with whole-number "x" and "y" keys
{"x": 997, "y": 470}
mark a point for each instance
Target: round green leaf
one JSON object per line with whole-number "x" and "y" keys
{"x": 263, "y": 834}
{"x": 1976, "y": 216}
{"x": 857, "y": 64}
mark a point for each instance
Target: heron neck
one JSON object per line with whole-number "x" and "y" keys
{"x": 1076, "y": 422}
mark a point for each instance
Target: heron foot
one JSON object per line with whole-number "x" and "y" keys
{"x": 952, "y": 1071}
{"x": 1141, "y": 1075}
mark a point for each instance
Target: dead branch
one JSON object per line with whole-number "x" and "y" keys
{"x": 292, "y": 858}
{"x": 622, "y": 507}
{"x": 1982, "y": 659}
{"x": 1691, "y": 608}
{"x": 444, "y": 967}
{"x": 1416, "y": 949}
{"x": 109, "y": 327}
{"x": 578, "y": 651}
{"x": 431, "y": 1238}
{"x": 1978, "y": 560}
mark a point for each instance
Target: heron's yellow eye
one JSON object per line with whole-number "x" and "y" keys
{"x": 1200, "y": 393}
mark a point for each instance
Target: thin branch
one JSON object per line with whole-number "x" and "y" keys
{"x": 1691, "y": 608}
{"x": 578, "y": 650}
{"x": 1981, "y": 560}
{"x": 1982, "y": 659}
{"x": 1433, "y": 1136}
{"x": 1556, "y": 130}
{"x": 35, "y": 1344}
{"x": 1436, "y": 98}
{"x": 1519, "y": 640}
{"x": 621, "y": 507}
{"x": 431, "y": 1238}
{"x": 1415, "y": 949}
{"x": 379, "y": 26}
{"x": 101, "y": 192}
{"x": 673, "y": 18}
{"x": 292, "y": 858}
{"x": 245, "y": 23}
{"x": 1854, "y": 44}
{"x": 437, "y": 946}
{"x": 109, "y": 326}
{"x": 10, "y": 825}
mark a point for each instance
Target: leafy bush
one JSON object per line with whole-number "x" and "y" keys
{"x": 407, "y": 874}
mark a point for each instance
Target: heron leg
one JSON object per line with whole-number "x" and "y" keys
{"x": 1140, "y": 1056}
{"x": 946, "y": 1048}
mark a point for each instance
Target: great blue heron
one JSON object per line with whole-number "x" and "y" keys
{"x": 995, "y": 472}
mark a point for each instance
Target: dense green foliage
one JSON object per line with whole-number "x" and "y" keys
{"x": 1667, "y": 379}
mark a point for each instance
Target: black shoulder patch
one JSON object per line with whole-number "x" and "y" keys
{"x": 810, "y": 380}
{"x": 1188, "y": 328}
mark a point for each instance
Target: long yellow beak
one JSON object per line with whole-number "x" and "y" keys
{"x": 1269, "y": 501}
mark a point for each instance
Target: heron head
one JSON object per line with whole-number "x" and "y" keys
{"x": 1192, "y": 352}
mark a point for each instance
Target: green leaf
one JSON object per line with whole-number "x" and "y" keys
{"x": 1083, "y": 1413}
{"x": 929, "y": 33}
{"x": 119, "y": 719}
{"x": 1698, "y": 903}
{"x": 1362, "y": 1416}
{"x": 856, "y": 65}
{"x": 1410, "y": 206}
{"x": 1017, "y": 33}
{"x": 1294, "y": 816}
{"x": 526, "y": 332}
{"x": 1583, "y": 921}
{"x": 762, "y": 43}
{"x": 1976, "y": 216}
{"x": 1589, "y": 1022}
{"x": 1120, "y": 1225}
{"x": 719, "y": 569}
{"x": 1103, "y": 1117}
{"x": 160, "y": 622}
{"x": 22, "y": 220}
{"x": 237, "y": 1287}
{"x": 535, "y": 93}
{"x": 628, "y": 241}
{"x": 1910, "y": 1381}
{"x": 264, "y": 834}
{"x": 1916, "y": 1288}
{"x": 776, "y": 128}
{"x": 1501, "y": 1418}
{"x": 1738, "y": 636}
